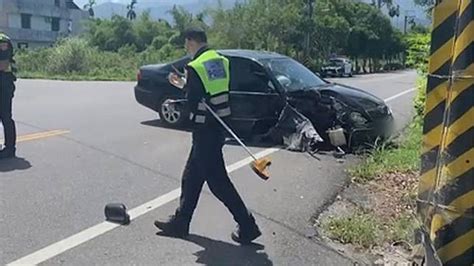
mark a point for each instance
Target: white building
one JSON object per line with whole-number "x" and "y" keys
{"x": 37, "y": 23}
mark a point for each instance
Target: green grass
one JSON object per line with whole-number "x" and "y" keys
{"x": 77, "y": 77}
{"x": 365, "y": 230}
{"x": 359, "y": 229}
{"x": 384, "y": 158}
{"x": 401, "y": 229}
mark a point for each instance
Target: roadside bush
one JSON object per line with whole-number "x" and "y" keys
{"x": 418, "y": 51}
{"x": 70, "y": 56}
{"x": 33, "y": 60}
{"x": 420, "y": 98}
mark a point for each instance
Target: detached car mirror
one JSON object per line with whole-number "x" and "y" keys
{"x": 117, "y": 213}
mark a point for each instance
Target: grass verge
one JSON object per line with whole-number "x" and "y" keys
{"x": 77, "y": 77}
{"x": 359, "y": 228}
{"x": 389, "y": 177}
{"x": 384, "y": 158}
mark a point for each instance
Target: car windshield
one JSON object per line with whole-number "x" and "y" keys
{"x": 292, "y": 75}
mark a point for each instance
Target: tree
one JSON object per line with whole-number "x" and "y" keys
{"x": 147, "y": 30}
{"x": 90, "y": 7}
{"x": 131, "y": 10}
{"x": 393, "y": 10}
{"x": 111, "y": 35}
{"x": 425, "y": 3}
{"x": 182, "y": 20}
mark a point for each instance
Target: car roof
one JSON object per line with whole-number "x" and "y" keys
{"x": 250, "y": 54}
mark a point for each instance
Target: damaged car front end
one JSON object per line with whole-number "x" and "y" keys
{"x": 268, "y": 89}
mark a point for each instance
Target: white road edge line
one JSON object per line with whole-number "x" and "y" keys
{"x": 389, "y": 99}
{"x": 92, "y": 232}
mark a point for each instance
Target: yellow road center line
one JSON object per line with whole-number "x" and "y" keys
{"x": 41, "y": 135}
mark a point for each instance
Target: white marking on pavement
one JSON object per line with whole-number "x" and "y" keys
{"x": 389, "y": 99}
{"x": 104, "y": 227}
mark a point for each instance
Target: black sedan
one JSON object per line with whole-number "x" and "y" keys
{"x": 262, "y": 83}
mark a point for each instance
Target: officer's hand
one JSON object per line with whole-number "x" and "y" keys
{"x": 176, "y": 80}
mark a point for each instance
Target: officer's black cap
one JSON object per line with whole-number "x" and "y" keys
{"x": 196, "y": 34}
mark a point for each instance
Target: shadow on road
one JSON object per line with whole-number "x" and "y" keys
{"x": 9, "y": 165}
{"x": 217, "y": 252}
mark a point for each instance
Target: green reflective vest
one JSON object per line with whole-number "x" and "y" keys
{"x": 214, "y": 72}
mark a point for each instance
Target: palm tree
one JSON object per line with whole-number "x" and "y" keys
{"x": 131, "y": 10}
{"x": 90, "y": 7}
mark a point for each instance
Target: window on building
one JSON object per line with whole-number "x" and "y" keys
{"x": 26, "y": 21}
{"x": 57, "y": 2}
{"x": 22, "y": 45}
{"x": 55, "y": 24}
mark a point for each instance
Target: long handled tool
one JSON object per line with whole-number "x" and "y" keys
{"x": 259, "y": 166}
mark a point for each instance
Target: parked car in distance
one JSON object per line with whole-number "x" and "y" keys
{"x": 337, "y": 67}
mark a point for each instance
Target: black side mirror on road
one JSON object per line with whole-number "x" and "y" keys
{"x": 117, "y": 213}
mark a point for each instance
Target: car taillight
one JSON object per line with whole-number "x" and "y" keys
{"x": 139, "y": 75}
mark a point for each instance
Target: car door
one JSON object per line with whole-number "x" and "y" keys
{"x": 254, "y": 101}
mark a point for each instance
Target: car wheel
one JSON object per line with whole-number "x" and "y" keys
{"x": 171, "y": 115}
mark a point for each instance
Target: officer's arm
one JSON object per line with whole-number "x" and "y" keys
{"x": 194, "y": 90}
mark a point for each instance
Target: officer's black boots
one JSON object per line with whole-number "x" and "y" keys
{"x": 246, "y": 235}
{"x": 174, "y": 227}
{"x": 7, "y": 153}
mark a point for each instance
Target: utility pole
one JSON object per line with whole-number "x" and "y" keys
{"x": 310, "y": 9}
{"x": 407, "y": 17}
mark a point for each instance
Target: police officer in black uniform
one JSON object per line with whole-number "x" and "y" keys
{"x": 7, "y": 88}
{"x": 207, "y": 79}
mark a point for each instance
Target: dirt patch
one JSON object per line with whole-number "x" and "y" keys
{"x": 394, "y": 194}
{"x": 386, "y": 204}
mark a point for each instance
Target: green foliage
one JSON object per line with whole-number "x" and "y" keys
{"x": 420, "y": 98}
{"x": 425, "y": 3}
{"x": 402, "y": 229}
{"x": 110, "y": 35}
{"x": 359, "y": 229}
{"x": 345, "y": 27}
{"x": 70, "y": 56}
{"x": 418, "y": 51}
{"x": 384, "y": 159}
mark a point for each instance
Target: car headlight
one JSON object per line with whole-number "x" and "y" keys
{"x": 358, "y": 118}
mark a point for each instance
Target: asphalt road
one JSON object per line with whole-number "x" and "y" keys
{"x": 86, "y": 144}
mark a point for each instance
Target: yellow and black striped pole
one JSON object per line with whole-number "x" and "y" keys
{"x": 446, "y": 187}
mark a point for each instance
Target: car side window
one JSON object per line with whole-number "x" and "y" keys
{"x": 248, "y": 76}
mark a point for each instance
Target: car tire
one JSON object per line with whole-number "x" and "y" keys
{"x": 171, "y": 115}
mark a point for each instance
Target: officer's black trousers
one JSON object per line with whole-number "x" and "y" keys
{"x": 206, "y": 164}
{"x": 6, "y": 97}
